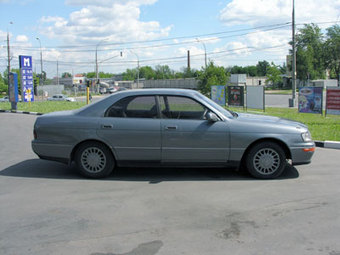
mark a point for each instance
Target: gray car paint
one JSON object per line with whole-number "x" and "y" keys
{"x": 148, "y": 140}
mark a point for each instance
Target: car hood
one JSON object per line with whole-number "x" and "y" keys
{"x": 257, "y": 118}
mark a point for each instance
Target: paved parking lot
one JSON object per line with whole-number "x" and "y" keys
{"x": 47, "y": 208}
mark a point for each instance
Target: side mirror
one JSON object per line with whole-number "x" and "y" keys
{"x": 211, "y": 117}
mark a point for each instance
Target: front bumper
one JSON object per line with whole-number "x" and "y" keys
{"x": 302, "y": 154}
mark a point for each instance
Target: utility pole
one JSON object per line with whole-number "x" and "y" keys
{"x": 9, "y": 58}
{"x": 13, "y": 104}
{"x": 188, "y": 60}
{"x": 293, "y": 58}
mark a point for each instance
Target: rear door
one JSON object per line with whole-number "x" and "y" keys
{"x": 187, "y": 136}
{"x": 132, "y": 127}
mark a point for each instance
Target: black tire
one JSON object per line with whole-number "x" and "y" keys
{"x": 94, "y": 160}
{"x": 266, "y": 160}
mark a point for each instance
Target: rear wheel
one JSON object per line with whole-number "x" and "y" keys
{"x": 94, "y": 160}
{"x": 266, "y": 160}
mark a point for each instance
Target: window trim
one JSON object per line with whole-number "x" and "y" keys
{"x": 125, "y": 108}
{"x": 166, "y": 102}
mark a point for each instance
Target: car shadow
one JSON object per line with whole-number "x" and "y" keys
{"x": 37, "y": 168}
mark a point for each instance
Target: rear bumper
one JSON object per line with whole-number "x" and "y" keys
{"x": 52, "y": 151}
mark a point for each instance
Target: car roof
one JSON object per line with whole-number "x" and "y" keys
{"x": 170, "y": 91}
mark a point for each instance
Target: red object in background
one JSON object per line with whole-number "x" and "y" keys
{"x": 333, "y": 101}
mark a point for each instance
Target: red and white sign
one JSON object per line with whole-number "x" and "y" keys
{"x": 333, "y": 101}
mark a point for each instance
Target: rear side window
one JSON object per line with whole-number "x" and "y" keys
{"x": 134, "y": 107}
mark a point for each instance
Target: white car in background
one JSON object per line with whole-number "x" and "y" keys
{"x": 61, "y": 97}
{"x": 4, "y": 99}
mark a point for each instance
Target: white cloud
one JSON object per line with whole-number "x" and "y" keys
{"x": 21, "y": 38}
{"x": 118, "y": 21}
{"x": 267, "y": 12}
{"x": 107, "y": 3}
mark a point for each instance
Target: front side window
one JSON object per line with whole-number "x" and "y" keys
{"x": 177, "y": 107}
{"x": 134, "y": 107}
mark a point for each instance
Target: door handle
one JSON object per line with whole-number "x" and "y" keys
{"x": 171, "y": 127}
{"x": 106, "y": 126}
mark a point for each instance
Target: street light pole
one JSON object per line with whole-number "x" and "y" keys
{"x": 205, "y": 52}
{"x": 58, "y": 72}
{"x": 41, "y": 63}
{"x": 137, "y": 67}
{"x": 97, "y": 74}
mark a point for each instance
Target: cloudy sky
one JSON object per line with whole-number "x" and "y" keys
{"x": 233, "y": 32}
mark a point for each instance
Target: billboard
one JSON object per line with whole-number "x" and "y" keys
{"x": 310, "y": 100}
{"x": 218, "y": 94}
{"x": 236, "y": 95}
{"x": 26, "y": 74}
{"x": 13, "y": 87}
{"x": 255, "y": 97}
{"x": 333, "y": 101}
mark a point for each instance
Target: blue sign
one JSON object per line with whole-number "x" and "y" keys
{"x": 218, "y": 94}
{"x": 13, "y": 87}
{"x": 26, "y": 74}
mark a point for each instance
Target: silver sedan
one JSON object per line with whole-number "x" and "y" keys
{"x": 169, "y": 127}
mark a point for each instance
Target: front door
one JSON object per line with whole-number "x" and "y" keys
{"x": 187, "y": 137}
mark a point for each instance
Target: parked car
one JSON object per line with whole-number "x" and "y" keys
{"x": 169, "y": 127}
{"x": 112, "y": 90}
{"x": 4, "y": 99}
{"x": 102, "y": 90}
{"x": 61, "y": 97}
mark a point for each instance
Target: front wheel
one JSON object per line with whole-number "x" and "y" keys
{"x": 266, "y": 160}
{"x": 94, "y": 160}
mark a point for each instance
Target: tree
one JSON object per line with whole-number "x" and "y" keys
{"x": 332, "y": 51}
{"x": 274, "y": 75}
{"x": 130, "y": 74}
{"x": 90, "y": 75}
{"x": 66, "y": 75}
{"x": 147, "y": 72}
{"x": 262, "y": 67}
{"x": 211, "y": 75}
{"x": 3, "y": 86}
{"x": 164, "y": 72}
{"x": 309, "y": 53}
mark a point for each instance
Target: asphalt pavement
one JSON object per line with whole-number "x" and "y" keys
{"x": 47, "y": 208}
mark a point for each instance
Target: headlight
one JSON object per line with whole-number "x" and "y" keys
{"x": 306, "y": 137}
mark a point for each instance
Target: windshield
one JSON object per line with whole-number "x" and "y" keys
{"x": 222, "y": 110}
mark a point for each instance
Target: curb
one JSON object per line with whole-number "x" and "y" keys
{"x": 22, "y": 112}
{"x": 328, "y": 144}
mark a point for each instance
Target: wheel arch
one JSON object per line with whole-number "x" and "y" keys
{"x": 75, "y": 148}
{"x": 279, "y": 142}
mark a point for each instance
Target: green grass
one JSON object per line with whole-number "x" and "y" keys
{"x": 322, "y": 128}
{"x": 43, "y": 107}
